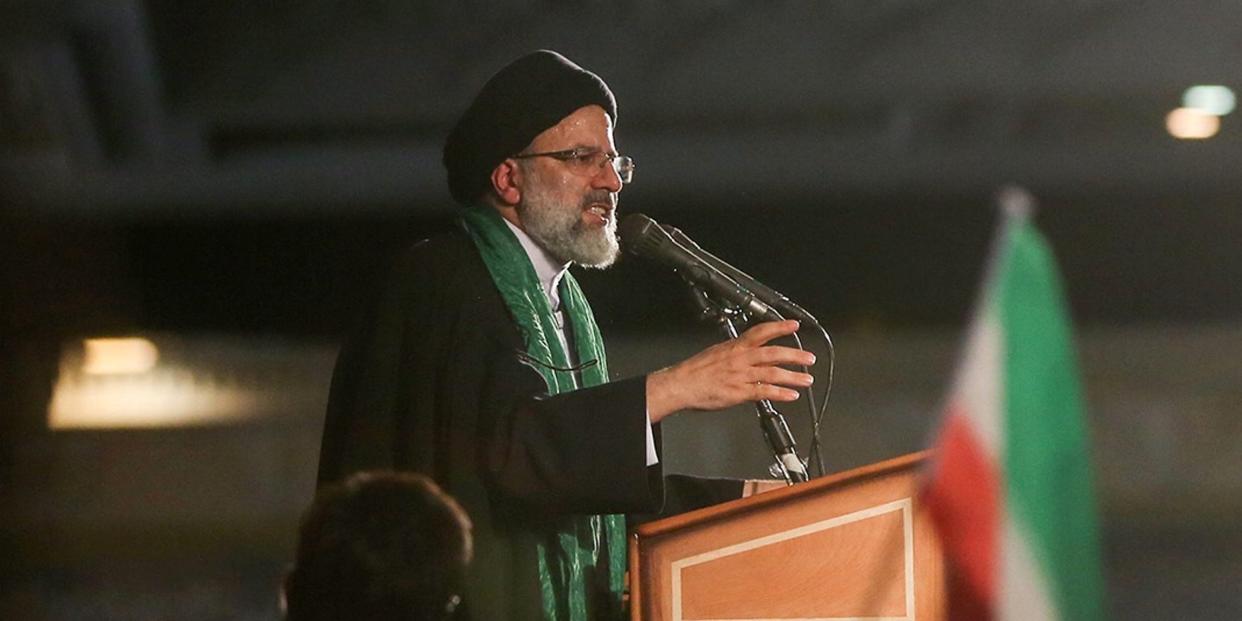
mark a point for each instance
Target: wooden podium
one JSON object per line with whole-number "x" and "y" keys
{"x": 851, "y": 546}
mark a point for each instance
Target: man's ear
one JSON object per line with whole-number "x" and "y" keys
{"x": 506, "y": 182}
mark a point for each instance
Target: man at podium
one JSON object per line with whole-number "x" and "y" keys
{"x": 480, "y": 363}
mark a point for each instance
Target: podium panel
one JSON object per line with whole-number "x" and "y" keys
{"x": 852, "y": 546}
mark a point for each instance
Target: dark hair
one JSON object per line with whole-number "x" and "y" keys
{"x": 380, "y": 546}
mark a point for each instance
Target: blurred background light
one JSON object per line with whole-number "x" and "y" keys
{"x": 118, "y": 356}
{"x": 1192, "y": 124}
{"x": 1212, "y": 99}
{"x": 162, "y": 399}
{"x": 164, "y": 380}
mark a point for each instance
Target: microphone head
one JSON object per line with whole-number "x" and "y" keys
{"x": 640, "y": 235}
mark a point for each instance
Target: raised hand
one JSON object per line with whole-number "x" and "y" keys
{"x": 726, "y": 374}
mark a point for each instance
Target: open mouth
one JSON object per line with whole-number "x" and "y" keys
{"x": 601, "y": 211}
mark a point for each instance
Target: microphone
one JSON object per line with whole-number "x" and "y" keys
{"x": 644, "y": 237}
{"x": 678, "y": 251}
{"x": 765, "y": 293}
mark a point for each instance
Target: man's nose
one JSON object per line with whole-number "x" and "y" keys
{"x": 608, "y": 179}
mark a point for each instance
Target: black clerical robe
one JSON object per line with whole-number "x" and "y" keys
{"x": 434, "y": 381}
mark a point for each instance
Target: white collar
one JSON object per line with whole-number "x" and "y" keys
{"x": 547, "y": 268}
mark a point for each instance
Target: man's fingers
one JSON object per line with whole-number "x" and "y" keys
{"x": 739, "y": 370}
{"x": 772, "y": 393}
{"x": 782, "y": 377}
{"x": 775, "y": 354}
{"x": 768, "y": 330}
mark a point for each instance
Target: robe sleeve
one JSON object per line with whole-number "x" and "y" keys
{"x": 580, "y": 452}
{"x": 584, "y": 451}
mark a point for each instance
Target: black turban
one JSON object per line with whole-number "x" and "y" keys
{"x": 523, "y": 99}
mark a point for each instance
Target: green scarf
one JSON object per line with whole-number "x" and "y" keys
{"x": 572, "y": 546}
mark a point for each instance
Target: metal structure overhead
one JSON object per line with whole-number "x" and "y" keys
{"x": 127, "y": 105}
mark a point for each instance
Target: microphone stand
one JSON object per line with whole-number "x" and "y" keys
{"x": 775, "y": 430}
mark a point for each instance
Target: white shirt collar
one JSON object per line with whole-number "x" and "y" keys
{"x": 547, "y": 268}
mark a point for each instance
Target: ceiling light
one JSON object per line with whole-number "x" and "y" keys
{"x": 118, "y": 356}
{"x": 1192, "y": 124}
{"x": 1210, "y": 98}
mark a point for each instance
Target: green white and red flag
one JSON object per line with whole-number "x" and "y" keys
{"x": 1010, "y": 486}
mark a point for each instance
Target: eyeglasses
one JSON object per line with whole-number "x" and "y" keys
{"x": 587, "y": 161}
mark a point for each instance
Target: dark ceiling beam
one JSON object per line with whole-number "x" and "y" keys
{"x": 787, "y": 97}
{"x": 731, "y": 170}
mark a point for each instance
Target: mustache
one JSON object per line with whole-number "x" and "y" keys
{"x": 600, "y": 197}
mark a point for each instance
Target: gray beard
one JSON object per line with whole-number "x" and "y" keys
{"x": 559, "y": 229}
